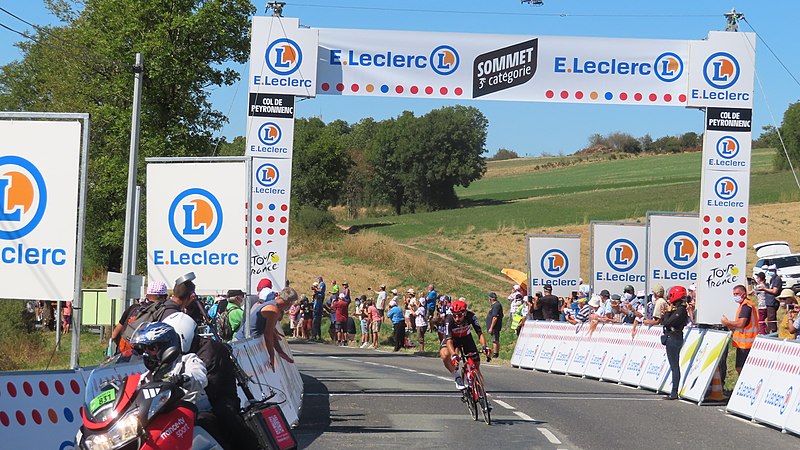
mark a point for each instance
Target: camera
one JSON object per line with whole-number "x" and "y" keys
{"x": 790, "y": 307}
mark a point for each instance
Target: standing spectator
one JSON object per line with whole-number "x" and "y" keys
{"x": 659, "y": 305}
{"x": 395, "y": 296}
{"x": 422, "y": 322}
{"x": 792, "y": 318}
{"x": 494, "y": 322}
{"x": 156, "y": 291}
{"x": 346, "y": 292}
{"x": 408, "y": 314}
{"x": 308, "y": 317}
{"x": 340, "y": 307}
{"x": 380, "y": 301}
{"x": 293, "y": 311}
{"x": 604, "y": 312}
{"x": 67, "y": 316}
{"x": 515, "y": 311}
{"x": 745, "y": 327}
{"x": 548, "y": 304}
{"x": 331, "y": 316}
{"x": 335, "y": 289}
{"x": 430, "y": 303}
{"x": 376, "y": 319}
{"x": 771, "y": 293}
{"x": 321, "y": 286}
{"x": 759, "y": 287}
{"x": 361, "y": 313}
{"x": 229, "y": 314}
{"x": 535, "y": 311}
{"x": 587, "y": 313}
{"x": 316, "y": 323}
{"x": 395, "y": 314}
{"x": 674, "y": 319}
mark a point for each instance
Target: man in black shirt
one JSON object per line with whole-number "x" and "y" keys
{"x": 548, "y": 304}
{"x": 494, "y": 322}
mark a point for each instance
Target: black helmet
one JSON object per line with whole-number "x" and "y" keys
{"x": 162, "y": 338}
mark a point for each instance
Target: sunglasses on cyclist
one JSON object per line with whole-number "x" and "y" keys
{"x": 459, "y": 314}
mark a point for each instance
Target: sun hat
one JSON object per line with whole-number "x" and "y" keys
{"x": 315, "y": 284}
{"x": 394, "y": 291}
{"x": 786, "y": 293}
{"x": 157, "y": 288}
{"x": 548, "y": 287}
{"x": 616, "y": 297}
{"x": 595, "y": 301}
{"x": 235, "y": 293}
{"x": 517, "y": 287}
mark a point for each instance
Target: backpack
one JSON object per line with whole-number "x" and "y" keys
{"x": 145, "y": 313}
{"x": 223, "y": 323}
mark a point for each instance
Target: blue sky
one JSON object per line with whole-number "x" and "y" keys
{"x": 527, "y": 128}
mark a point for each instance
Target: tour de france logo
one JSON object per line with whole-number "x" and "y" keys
{"x": 195, "y": 217}
{"x": 622, "y": 255}
{"x": 554, "y": 263}
{"x": 721, "y": 70}
{"x": 680, "y": 250}
{"x": 23, "y": 197}
{"x": 284, "y": 56}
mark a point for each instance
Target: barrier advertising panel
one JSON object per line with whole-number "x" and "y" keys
{"x": 554, "y": 260}
{"x": 779, "y": 396}
{"x": 672, "y": 249}
{"x": 39, "y": 179}
{"x": 646, "y": 340}
{"x": 691, "y": 341}
{"x": 283, "y": 58}
{"x": 535, "y": 344}
{"x": 706, "y": 360}
{"x": 600, "y": 353}
{"x": 755, "y": 377}
{"x": 792, "y": 413}
{"x": 620, "y": 345}
{"x": 618, "y": 256}
{"x": 556, "y": 333}
{"x": 657, "y": 368}
{"x": 525, "y": 337}
{"x": 566, "y": 350}
{"x": 587, "y": 341}
{"x": 269, "y": 223}
{"x": 196, "y": 224}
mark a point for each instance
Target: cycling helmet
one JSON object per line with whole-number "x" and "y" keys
{"x": 161, "y": 337}
{"x": 458, "y": 306}
{"x": 185, "y": 326}
{"x": 676, "y": 293}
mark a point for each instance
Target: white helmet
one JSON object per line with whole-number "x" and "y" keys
{"x": 184, "y": 326}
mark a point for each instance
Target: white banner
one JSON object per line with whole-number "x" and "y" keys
{"x": 657, "y": 368}
{"x": 722, "y": 69}
{"x": 704, "y": 364}
{"x": 792, "y": 413}
{"x": 555, "y": 335}
{"x": 587, "y": 341}
{"x": 618, "y": 256}
{"x": 525, "y": 337}
{"x": 534, "y": 344}
{"x": 620, "y": 347}
{"x": 751, "y": 386}
{"x": 39, "y": 208}
{"x": 195, "y": 223}
{"x": 566, "y": 350}
{"x": 672, "y": 249}
{"x": 600, "y": 353}
{"x": 554, "y": 260}
{"x": 691, "y": 341}
{"x": 283, "y": 57}
{"x": 775, "y": 406}
{"x": 269, "y": 224}
{"x": 644, "y": 343}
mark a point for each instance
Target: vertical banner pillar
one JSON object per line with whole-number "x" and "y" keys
{"x": 555, "y": 260}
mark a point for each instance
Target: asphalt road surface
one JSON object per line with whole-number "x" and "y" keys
{"x": 364, "y": 399}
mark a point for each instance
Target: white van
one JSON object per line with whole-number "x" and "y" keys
{"x": 780, "y": 254}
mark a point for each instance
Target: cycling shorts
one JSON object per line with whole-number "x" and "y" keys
{"x": 466, "y": 344}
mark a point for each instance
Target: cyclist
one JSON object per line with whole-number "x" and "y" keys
{"x": 457, "y": 335}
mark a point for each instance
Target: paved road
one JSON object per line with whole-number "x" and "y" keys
{"x": 361, "y": 399}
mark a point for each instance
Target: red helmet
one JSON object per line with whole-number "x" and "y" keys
{"x": 676, "y": 293}
{"x": 458, "y": 306}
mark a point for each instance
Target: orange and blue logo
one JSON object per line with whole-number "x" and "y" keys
{"x": 444, "y": 60}
{"x": 195, "y": 217}
{"x": 726, "y": 188}
{"x": 284, "y": 56}
{"x": 622, "y": 255}
{"x": 721, "y": 70}
{"x": 680, "y": 250}
{"x": 267, "y": 175}
{"x": 668, "y": 67}
{"x": 23, "y": 197}
{"x": 554, "y": 263}
{"x": 727, "y": 147}
{"x": 269, "y": 133}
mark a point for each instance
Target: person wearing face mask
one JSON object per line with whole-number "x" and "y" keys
{"x": 771, "y": 293}
{"x": 745, "y": 327}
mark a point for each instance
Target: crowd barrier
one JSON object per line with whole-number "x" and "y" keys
{"x": 41, "y": 410}
{"x": 767, "y": 389}
{"x": 613, "y": 352}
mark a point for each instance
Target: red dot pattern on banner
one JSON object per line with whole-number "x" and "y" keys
{"x": 399, "y": 89}
{"x": 36, "y": 416}
{"x": 4, "y": 418}
{"x": 12, "y": 390}
{"x": 59, "y": 387}
{"x": 274, "y": 214}
{"x": 76, "y": 388}
{"x": 611, "y": 96}
{"x": 730, "y": 227}
{"x": 43, "y": 388}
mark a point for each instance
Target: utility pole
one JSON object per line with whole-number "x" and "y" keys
{"x": 733, "y": 18}
{"x": 276, "y": 7}
{"x": 129, "y": 245}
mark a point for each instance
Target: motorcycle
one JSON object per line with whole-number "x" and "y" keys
{"x": 124, "y": 415}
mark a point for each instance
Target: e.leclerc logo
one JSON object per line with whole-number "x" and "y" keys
{"x": 727, "y": 149}
{"x": 621, "y": 256}
{"x": 195, "y": 220}
{"x": 267, "y": 176}
{"x": 721, "y": 71}
{"x": 23, "y": 200}
{"x": 443, "y": 59}
{"x": 680, "y": 251}
{"x": 283, "y": 57}
{"x": 726, "y": 188}
{"x": 554, "y": 264}
{"x": 269, "y": 136}
{"x": 667, "y": 66}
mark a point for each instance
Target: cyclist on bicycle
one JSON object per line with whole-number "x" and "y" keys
{"x": 457, "y": 335}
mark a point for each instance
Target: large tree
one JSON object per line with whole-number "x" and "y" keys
{"x": 83, "y": 66}
{"x": 790, "y": 132}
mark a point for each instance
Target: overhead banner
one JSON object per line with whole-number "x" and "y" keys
{"x": 269, "y": 221}
{"x": 724, "y": 206}
{"x": 618, "y": 256}
{"x": 722, "y": 70}
{"x": 283, "y": 57}
{"x": 196, "y": 224}
{"x": 672, "y": 249}
{"x": 554, "y": 260}
{"x": 39, "y": 166}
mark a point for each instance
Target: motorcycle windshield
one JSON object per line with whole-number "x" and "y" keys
{"x": 102, "y": 394}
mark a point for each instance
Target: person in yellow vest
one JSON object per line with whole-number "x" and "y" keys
{"x": 745, "y": 327}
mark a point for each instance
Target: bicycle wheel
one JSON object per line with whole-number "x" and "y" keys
{"x": 469, "y": 399}
{"x": 482, "y": 400}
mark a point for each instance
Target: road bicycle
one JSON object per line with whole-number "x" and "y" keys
{"x": 475, "y": 393}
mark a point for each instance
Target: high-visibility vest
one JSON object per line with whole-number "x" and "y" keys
{"x": 744, "y": 337}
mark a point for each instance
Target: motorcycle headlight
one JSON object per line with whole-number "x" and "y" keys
{"x": 125, "y": 430}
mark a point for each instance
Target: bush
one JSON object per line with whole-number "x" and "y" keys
{"x": 17, "y": 340}
{"x": 310, "y": 221}
{"x": 503, "y": 154}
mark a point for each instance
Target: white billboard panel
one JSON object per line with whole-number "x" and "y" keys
{"x": 554, "y": 260}
{"x": 196, "y": 224}
{"x": 39, "y": 208}
{"x": 704, "y": 364}
{"x": 269, "y": 221}
{"x": 618, "y": 256}
{"x": 722, "y": 70}
{"x": 756, "y": 375}
{"x": 271, "y": 137}
{"x": 283, "y": 57}
{"x": 672, "y": 249}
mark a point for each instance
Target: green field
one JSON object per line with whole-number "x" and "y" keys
{"x": 602, "y": 190}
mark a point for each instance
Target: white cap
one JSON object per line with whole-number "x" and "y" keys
{"x": 392, "y": 303}
{"x": 772, "y": 267}
{"x": 692, "y": 287}
{"x": 595, "y": 301}
{"x": 517, "y": 287}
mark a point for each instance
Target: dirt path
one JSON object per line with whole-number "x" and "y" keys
{"x": 455, "y": 262}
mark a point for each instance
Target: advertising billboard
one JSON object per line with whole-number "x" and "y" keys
{"x": 618, "y": 256}
{"x": 554, "y": 260}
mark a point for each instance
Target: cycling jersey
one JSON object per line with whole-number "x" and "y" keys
{"x": 462, "y": 330}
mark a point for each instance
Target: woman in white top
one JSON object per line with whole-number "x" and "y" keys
{"x": 422, "y": 324}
